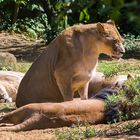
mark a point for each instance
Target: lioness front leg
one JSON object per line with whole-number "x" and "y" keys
{"x": 80, "y": 83}
{"x": 64, "y": 84}
{"x": 84, "y": 91}
{"x": 66, "y": 91}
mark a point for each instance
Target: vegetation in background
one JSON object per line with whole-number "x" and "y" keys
{"x": 46, "y": 18}
{"x": 131, "y": 44}
{"x": 109, "y": 68}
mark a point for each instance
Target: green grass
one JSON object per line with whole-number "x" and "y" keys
{"x": 77, "y": 132}
{"x": 111, "y": 68}
{"x": 22, "y": 67}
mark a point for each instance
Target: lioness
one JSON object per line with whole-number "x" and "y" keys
{"x": 69, "y": 63}
{"x": 9, "y": 83}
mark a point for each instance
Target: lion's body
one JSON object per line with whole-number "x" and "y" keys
{"x": 9, "y": 83}
{"x": 68, "y": 64}
{"x": 53, "y": 115}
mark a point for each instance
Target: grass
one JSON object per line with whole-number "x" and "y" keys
{"x": 76, "y": 132}
{"x": 111, "y": 68}
{"x": 22, "y": 67}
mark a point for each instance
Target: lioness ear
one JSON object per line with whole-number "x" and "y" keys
{"x": 110, "y": 22}
{"x": 100, "y": 27}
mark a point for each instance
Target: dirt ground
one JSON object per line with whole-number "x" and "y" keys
{"x": 25, "y": 49}
{"x": 49, "y": 134}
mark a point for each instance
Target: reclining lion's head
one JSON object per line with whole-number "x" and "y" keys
{"x": 110, "y": 39}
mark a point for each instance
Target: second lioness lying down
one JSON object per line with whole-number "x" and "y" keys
{"x": 9, "y": 83}
{"x": 69, "y": 63}
{"x": 52, "y": 115}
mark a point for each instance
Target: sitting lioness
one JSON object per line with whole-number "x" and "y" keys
{"x": 69, "y": 63}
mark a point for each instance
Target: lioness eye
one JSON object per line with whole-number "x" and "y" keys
{"x": 115, "y": 48}
{"x": 115, "y": 41}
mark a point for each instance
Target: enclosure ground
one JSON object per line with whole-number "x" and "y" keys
{"x": 49, "y": 134}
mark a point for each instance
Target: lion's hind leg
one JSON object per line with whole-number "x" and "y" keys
{"x": 27, "y": 124}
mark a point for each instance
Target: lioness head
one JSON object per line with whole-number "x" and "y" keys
{"x": 110, "y": 40}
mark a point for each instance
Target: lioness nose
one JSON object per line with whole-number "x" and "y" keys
{"x": 122, "y": 50}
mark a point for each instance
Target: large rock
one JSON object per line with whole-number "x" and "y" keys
{"x": 7, "y": 60}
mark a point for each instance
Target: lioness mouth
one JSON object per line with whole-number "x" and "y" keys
{"x": 116, "y": 57}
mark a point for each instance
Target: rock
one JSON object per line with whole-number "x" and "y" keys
{"x": 7, "y": 60}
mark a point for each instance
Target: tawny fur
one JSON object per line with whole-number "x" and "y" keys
{"x": 9, "y": 83}
{"x": 69, "y": 63}
{"x": 52, "y": 115}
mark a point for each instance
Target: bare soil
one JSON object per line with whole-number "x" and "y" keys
{"x": 49, "y": 134}
{"x": 28, "y": 50}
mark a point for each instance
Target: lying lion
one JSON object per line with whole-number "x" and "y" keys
{"x": 52, "y": 115}
{"x": 69, "y": 63}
